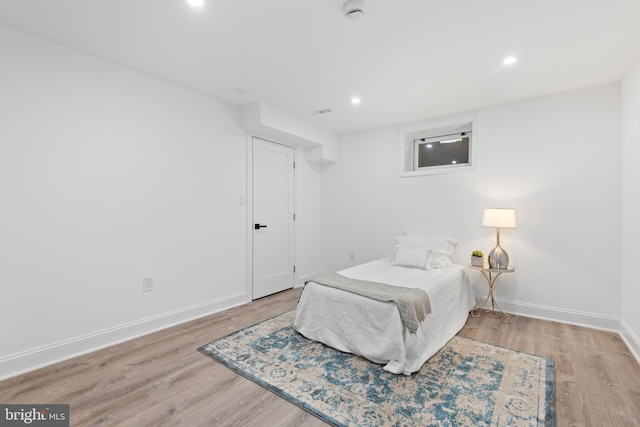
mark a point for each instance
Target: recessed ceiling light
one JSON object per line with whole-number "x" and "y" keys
{"x": 509, "y": 60}
{"x": 355, "y": 100}
{"x": 196, "y": 3}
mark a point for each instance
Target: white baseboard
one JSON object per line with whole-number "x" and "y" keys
{"x": 631, "y": 339}
{"x": 573, "y": 317}
{"x": 19, "y": 363}
{"x": 303, "y": 279}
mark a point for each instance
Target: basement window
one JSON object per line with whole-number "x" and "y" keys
{"x": 442, "y": 150}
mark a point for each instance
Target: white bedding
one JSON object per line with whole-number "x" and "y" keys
{"x": 373, "y": 329}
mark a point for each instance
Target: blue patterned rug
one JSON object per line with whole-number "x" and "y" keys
{"x": 467, "y": 383}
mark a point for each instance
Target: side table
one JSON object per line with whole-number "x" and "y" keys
{"x": 491, "y": 275}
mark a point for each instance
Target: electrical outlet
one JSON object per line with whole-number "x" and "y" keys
{"x": 147, "y": 284}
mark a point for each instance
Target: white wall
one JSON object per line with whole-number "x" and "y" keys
{"x": 108, "y": 176}
{"x": 308, "y": 209}
{"x": 631, "y": 204}
{"x": 555, "y": 159}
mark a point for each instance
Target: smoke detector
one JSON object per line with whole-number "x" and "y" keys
{"x": 353, "y": 9}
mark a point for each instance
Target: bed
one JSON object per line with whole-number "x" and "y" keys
{"x": 374, "y": 329}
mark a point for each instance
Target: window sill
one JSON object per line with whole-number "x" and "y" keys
{"x": 444, "y": 170}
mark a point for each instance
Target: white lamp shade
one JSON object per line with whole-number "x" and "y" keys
{"x": 499, "y": 218}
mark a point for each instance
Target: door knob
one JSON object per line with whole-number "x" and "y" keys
{"x": 258, "y": 226}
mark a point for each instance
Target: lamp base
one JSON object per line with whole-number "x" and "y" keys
{"x": 498, "y": 258}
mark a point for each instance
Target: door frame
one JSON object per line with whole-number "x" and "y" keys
{"x": 249, "y": 202}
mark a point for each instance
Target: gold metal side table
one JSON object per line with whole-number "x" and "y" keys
{"x": 491, "y": 274}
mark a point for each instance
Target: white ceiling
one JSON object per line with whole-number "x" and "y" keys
{"x": 406, "y": 59}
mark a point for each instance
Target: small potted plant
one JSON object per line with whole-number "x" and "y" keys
{"x": 477, "y": 258}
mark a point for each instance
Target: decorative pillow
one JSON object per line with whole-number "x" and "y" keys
{"x": 414, "y": 258}
{"x": 437, "y": 260}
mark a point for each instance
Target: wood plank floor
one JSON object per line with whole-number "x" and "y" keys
{"x": 160, "y": 379}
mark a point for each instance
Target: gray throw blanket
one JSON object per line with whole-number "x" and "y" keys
{"x": 413, "y": 304}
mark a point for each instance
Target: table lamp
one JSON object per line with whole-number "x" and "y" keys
{"x": 499, "y": 218}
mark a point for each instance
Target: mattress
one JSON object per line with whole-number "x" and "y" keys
{"x": 373, "y": 329}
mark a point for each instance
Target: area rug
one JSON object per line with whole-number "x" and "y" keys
{"x": 467, "y": 383}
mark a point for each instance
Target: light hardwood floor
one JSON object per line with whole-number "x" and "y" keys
{"x": 160, "y": 379}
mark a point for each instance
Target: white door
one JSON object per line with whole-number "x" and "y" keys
{"x": 273, "y": 225}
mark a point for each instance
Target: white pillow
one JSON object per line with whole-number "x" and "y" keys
{"x": 414, "y": 258}
{"x": 416, "y": 241}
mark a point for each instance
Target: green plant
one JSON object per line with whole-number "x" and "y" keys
{"x": 477, "y": 253}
